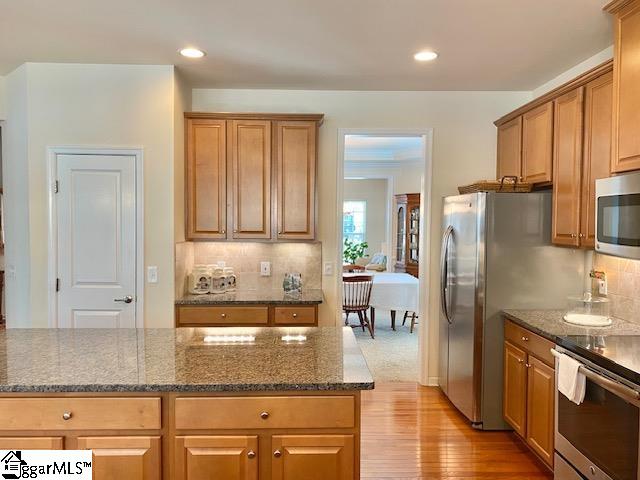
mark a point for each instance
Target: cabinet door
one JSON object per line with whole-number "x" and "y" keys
{"x": 537, "y": 144}
{"x": 31, "y": 443}
{"x": 206, "y": 179}
{"x": 213, "y": 457}
{"x": 515, "y": 388}
{"x": 567, "y": 161}
{"x": 115, "y": 458}
{"x": 296, "y": 179}
{"x": 626, "y": 95}
{"x": 312, "y": 457}
{"x": 596, "y": 151}
{"x": 250, "y": 153}
{"x": 540, "y": 402}
{"x": 510, "y": 149}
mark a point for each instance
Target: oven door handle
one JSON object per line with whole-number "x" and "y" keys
{"x": 614, "y": 387}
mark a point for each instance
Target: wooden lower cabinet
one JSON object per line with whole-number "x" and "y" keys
{"x": 515, "y": 388}
{"x": 257, "y": 315}
{"x": 312, "y": 457}
{"x": 540, "y": 408}
{"x": 529, "y": 389}
{"x": 134, "y": 458}
{"x": 204, "y": 457}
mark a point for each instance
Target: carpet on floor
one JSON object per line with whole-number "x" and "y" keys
{"x": 391, "y": 356}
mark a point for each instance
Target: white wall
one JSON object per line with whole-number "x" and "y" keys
{"x": 92, "y": 105}
{"x": 374, "y": 192}
{"x": 574, "y": 71}
{"x": 464, "y": 149}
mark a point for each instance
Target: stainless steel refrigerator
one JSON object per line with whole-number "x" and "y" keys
{"x": 496, "y": 254}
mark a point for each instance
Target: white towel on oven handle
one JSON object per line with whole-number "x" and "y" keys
{"x": 571, "y": 382}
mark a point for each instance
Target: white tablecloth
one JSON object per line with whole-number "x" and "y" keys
{"x": 393, "y": 291}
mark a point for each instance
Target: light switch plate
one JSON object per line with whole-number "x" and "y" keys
{"x": 327, "y": 268}
{"x": 265, "y": 269}
{"x": 152, "y": 274}
{"x": 602, "y": 286}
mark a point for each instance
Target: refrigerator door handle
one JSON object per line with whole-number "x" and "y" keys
{"x": 444, "y": 272}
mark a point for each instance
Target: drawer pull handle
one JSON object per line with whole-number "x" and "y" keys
{"x": 295, "y": 315}
{"x": 251, "y": 454}
{"x": 264, "y": 415}
{"x": 66, "y": 416}
{"x": 525, "y": 339}
{"x": 277, "y": 454}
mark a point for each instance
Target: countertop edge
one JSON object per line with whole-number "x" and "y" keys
{"x": 267, "y": 388}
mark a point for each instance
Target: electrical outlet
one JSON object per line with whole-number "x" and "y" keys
{"x": 327, "y": 268}
{"x": 602, "y": 286}
{"x": 152, "y": 274}
{"x": 265, "y": 269}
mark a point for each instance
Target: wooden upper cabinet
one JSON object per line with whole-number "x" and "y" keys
{"x": 206, "y": 180}
{"x": 201, "y": 457}
{"x": 327, "y": 456}
{"x": 537, "y": 144}
{"x": 134, "y": 458}
{"x": 296, "y": 178}
{"x": 514, "y": 401}
{"x": 510, "y": 149}
{"x": 567, "y": 161}
{"x": 596, "y": 154}
{"x": 250, "y": 153}
{"x": 540, "y": 408}
{"x": 626, "y": 94}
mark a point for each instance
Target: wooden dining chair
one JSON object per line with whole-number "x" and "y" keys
{"x": 414, "y": 316}
{"x": 355, "y": 299}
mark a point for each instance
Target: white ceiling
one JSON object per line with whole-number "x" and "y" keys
{"x": 316, "y": 44}
{"x": 383, "y": 151}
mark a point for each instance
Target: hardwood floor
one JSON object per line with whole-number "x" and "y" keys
{"x": 413, "y": 432}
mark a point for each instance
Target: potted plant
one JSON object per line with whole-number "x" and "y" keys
{"x": 353, "y": 250}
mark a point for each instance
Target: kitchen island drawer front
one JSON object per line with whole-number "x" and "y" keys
{"x": 195, "y": 413}
{"x": 532, "y": 343}
{"x": 223, "y": 315}
{"x": 73, "y": 413}
{"x": 295, "y": 315}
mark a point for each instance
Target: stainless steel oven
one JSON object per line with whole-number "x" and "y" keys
{"x": 618, "y": 215}
{"x": 600, "y": 438}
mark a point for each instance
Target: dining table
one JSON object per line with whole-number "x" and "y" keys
{"x": 392, "y": 291}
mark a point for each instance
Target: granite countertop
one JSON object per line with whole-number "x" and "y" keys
{"x": 276, "y": 297}
{"x": 181, "y": 360}
{"x": 615, "y": 348}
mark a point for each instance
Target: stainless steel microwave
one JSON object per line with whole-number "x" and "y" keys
{"x": 618, "y": 215}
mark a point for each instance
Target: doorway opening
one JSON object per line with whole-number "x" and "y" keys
{"x": 383, "y": 188}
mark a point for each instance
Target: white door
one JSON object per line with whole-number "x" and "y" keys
{"x": 96, "y": 224}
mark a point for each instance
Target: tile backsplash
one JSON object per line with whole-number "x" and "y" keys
{"x": 623, "y": 285}
{"x": 245, "y": 258}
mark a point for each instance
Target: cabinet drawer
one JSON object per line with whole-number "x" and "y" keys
{"x": 79, "y": 413}
{"x": 264, "y": 412}
{"x": 223, "y": 315}
{"x": 529, "y": 341}
{"x": 295, "y": 315}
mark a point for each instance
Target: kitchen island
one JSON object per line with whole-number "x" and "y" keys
{"x": 189, "y": 403}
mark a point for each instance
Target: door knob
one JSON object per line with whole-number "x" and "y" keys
{"x": 127, "y": 299}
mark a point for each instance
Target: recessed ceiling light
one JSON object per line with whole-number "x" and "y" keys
{"x": 192, "y": 53}
{"x": 425, "y": 56}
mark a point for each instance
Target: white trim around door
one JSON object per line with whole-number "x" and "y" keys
{"x": 52, "y": 245}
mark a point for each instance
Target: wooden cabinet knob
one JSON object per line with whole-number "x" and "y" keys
{"x": 295, "y": 315}
{"x": 277, "y": 454}
{"x": 264, "y": 415}
{"x": 223, "y": 315}
{"x": 67, "y": 416}
{"x": 251, "y": 454}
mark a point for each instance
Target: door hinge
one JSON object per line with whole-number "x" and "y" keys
{"x": 56, "y": 186}
{"x": 57, "y": 284}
